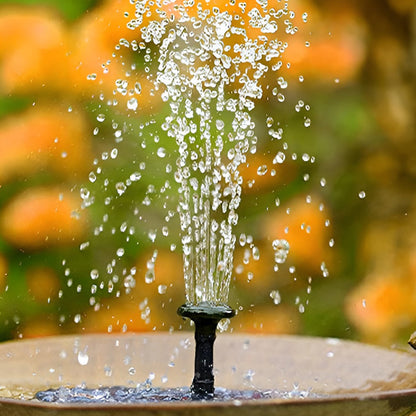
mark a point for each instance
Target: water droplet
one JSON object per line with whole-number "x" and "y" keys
{"x": 137, "y": 88}
{"x": 248, "y": 376}
{"x": 161, "y": 289}
{"x": 219, "y": 124}
{"x": 161, "y": 152}
{"x": 101, "y": 118}
{"x": 113, "y": 153}
{"x": 135, "y": 176}
{"x": 94, "y": 274}
{"x": 92, "y": 177}
{"x": 121, "y": 188}
{"x": 108, "y": 371}
{"x": 324, "y": 270}
{"x": 149, "y": 276}
{"x": 307, "y": 122}
{"x": 120, "y": 252}
{"x": 362, "y": 194}
{"x": 152, "y": 234}
{"x": 275, "y": 295}
{"x": 84, "y": 245}
{"x": 83, "y": 357}
{"x": 279, "y": 158}
{"x": 132, "y": 104}
{"x": 262, "y": 170}
{"x": 281, "y": 248}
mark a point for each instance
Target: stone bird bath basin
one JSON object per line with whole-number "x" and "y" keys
{"x": 351, "y": 378}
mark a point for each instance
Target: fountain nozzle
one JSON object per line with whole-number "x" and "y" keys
{"x": 206, "y": 317}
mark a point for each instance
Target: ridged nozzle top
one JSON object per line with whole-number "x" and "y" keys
{"x": 206, "y": 310}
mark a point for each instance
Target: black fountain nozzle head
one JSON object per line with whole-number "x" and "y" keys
{"x": 206, "y": 317}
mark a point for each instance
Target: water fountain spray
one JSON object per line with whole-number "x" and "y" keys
{"x": 211, "y": 69}
{"x": 205, "y": 317}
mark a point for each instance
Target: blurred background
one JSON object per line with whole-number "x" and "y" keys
{"x": 347, "y": 205}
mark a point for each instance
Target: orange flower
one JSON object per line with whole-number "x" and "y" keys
{"x": 43, "y": 283}
{"x": 39, "y": 327}
{"x": 336, "y": 55}
{"x": 118, "y": 315}
{"x": 31, "y": 69}
{"x": 168, "y": 275}
{"x": 33, "y": 48}
{"x": 87, "y": 76}
{"x": 380, "y": 306}
{"x": 148, "y": 305}
{"x": 259, "y": 173}
{"x": 18, "y": 25}
{"x": 106, "y": 24}
{"x": 251, "y": 273}
{"x": 326, "y": 59}
{"x": 302, "y": 224}
{"x": 267, "y": 320}
{"x": 41, "y": 217}
{"x": 46, "y": 54}
{"x": 40, "y": 138}
{"x": 92, "y": 64}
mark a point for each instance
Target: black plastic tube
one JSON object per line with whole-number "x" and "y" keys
{"x": 206, "y": 317}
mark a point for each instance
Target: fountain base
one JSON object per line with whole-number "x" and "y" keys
{"x": 206, "y": 317}
{"x": 348, "y": 378}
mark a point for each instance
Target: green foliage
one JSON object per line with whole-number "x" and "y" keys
{"x": 70, "y": 9}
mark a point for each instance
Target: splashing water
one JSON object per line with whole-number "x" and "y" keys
{"x": 154, "y": 394}
{"x": 211, "y": 68}
{"x": 208, "y": 65}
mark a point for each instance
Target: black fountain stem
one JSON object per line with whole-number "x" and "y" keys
{"x": 206, "y": 317}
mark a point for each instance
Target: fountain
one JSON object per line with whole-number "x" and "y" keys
{"x": 212, "y": 64}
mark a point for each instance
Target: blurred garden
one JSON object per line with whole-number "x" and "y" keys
{"x": 346, "y": 204}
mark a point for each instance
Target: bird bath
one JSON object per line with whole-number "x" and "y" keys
{"x": 209, "y": 69}
{"x": 317, "y": 376}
